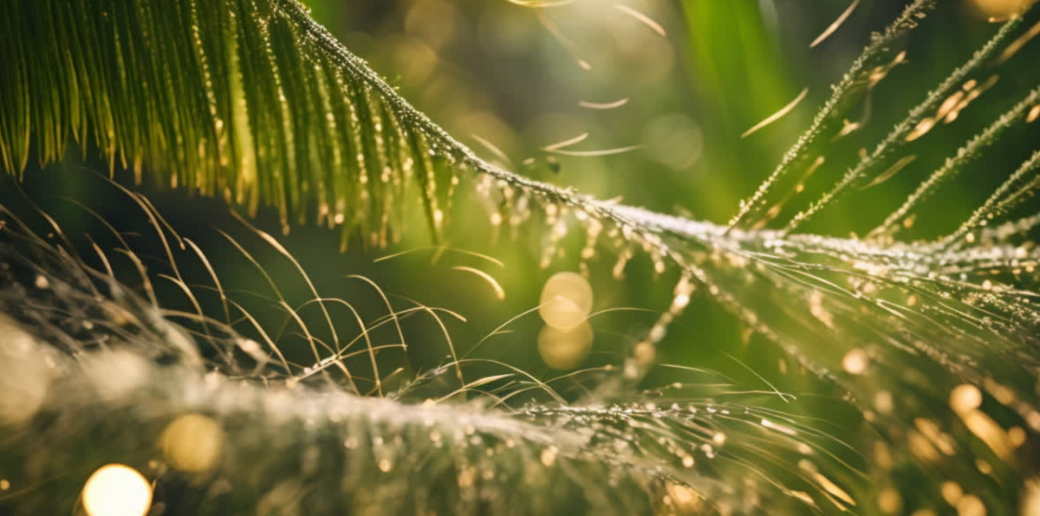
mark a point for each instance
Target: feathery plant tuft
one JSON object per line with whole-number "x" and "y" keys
{"x": 931, "y": 344}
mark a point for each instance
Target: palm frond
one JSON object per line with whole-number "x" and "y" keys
{"x": 933, "y": 343}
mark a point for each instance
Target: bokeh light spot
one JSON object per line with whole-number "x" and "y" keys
{"x": 117, "y": 490}
{"x": 565, "y": 349}
{"x": 566, "y": 300}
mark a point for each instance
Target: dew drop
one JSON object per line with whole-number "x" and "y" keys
{"x": 548, "y": 456}
{"x": 889, "y": 501}
{"x": 971, "y": 505}
{"x": 1031, "y": 498}
{"x": 951, "y": 492}
{"x": 855, "y": 362}
{"x": 965, "y": 398}
{"x": 645, "y": 353}
{"x": 883, "y": 402}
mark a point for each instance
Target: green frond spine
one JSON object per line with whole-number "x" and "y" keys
{"x": 965, "y": 155}
{"x": 897, "y": 136}
{"x": 841, "y": 94}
